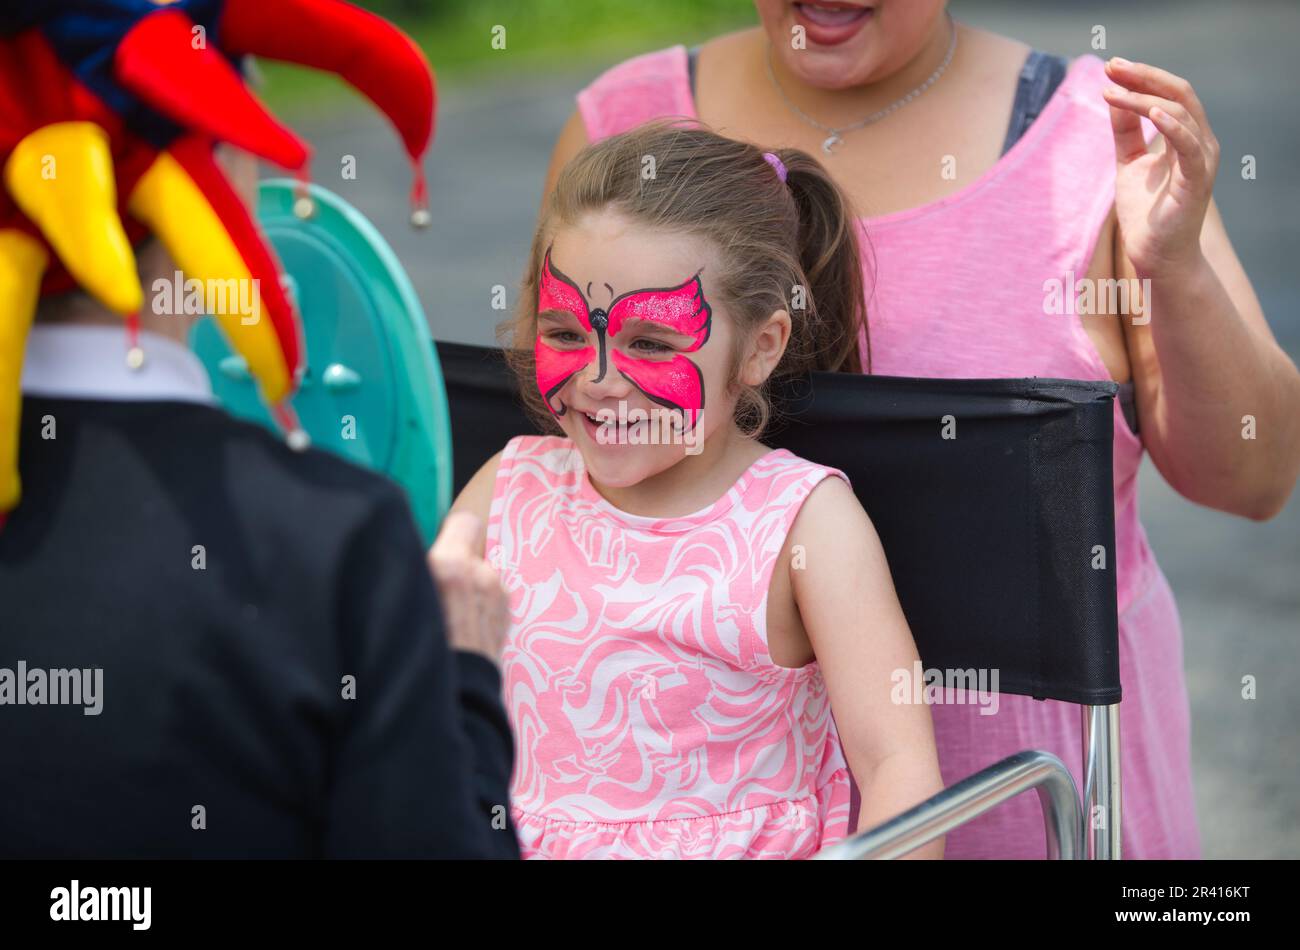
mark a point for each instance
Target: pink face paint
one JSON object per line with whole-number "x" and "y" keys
{"x": 555, "y": 367}
{"x": 675, "y": 383}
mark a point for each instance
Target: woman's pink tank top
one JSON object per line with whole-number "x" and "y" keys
{"x": 958, "y": 288}
{"x": 649, "y": 719}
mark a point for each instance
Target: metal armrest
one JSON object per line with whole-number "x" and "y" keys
{"x": 972, "y": 797}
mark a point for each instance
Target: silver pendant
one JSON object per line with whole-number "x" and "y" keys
{"x": 831, "y": 141}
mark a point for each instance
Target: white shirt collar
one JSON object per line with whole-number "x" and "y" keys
{"x": 74, "y": 361}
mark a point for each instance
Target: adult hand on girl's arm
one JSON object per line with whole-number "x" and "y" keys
{"x": 475, "y": 603}
{"x": 473, "y": 600}
{"x": 1207, "y": 358}
{"x": 846, "y": 597}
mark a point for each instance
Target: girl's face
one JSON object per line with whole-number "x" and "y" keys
{"x": 633, "y": 354}
{"x": 849, "y": 43}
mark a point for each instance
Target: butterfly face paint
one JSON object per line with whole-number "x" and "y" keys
{"x": 675, "y": 383}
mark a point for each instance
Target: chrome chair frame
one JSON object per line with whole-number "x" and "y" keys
{"x": 1101, "y": 790}
{"x": 1075, "y": 829}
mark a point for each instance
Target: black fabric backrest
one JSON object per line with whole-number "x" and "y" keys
{"x": 1001, "y": 540}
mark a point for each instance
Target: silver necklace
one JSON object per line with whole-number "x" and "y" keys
{"x": 837, "y": 134}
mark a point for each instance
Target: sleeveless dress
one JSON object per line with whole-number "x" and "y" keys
{"x": 956, "y": 288}
{"x": 649, "y": 719}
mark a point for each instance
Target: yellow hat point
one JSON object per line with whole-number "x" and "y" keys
{"x": 22, "y": 262}
{"x": 61, "y": 176}
{"x": 169, "y": 202}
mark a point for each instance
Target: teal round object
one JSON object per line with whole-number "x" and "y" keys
{"x": 371, "y": 389}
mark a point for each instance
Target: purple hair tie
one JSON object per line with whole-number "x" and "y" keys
{"x": 776, "y": 163}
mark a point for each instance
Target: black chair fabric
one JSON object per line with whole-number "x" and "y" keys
{"x": 1001, "y": 540}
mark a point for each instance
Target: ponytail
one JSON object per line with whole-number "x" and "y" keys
{"x": 829, "y": 253}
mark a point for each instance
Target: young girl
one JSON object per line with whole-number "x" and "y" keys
{"x": 688, "y": 606}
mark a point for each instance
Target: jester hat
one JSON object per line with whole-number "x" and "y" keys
{"x": 109, "y": 114}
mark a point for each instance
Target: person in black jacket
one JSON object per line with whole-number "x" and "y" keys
{"x": 214, "y": 646}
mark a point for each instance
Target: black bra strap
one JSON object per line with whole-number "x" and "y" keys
{"x": 1039, "y": 78}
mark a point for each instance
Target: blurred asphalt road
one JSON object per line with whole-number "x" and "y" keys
{"x": 1237, "y": 582}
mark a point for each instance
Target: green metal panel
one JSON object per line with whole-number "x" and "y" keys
{"x": 372, "y": 388}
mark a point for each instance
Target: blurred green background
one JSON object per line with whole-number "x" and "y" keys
{"x": 457, "y": 36}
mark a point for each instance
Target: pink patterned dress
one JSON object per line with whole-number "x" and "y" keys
{"x": 956, "y": 288}
{"x": 649, "y": 719}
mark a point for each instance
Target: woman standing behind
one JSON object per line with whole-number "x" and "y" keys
{"x": 995, "y": 178}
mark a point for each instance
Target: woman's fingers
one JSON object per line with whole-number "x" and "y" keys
{"x": 1141, "y": 77}
{"x": 1130, "y": 143}
{"x": 1160, "y": 198}
{"x": 1192, "y": 159}
{"x": 1148, "y": 90}
{"x": 1142, "y": 103}
{"x": 1196, "y": 153}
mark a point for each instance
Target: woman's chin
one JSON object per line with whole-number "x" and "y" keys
{"x": 837, "y": 67}
{"x": 854, "y": 62}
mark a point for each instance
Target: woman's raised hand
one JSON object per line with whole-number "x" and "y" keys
{"x": 473, "y": 601}
{"x": 1161, "y": 197}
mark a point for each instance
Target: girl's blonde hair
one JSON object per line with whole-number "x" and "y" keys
{"x": 772, "y": 240}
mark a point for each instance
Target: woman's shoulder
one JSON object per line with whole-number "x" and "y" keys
{"x": 1084, "y": 80}
{"x": 644, "y": 87}
{"x": 1072, "y": 121}
{"x": 997, "y": 57}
